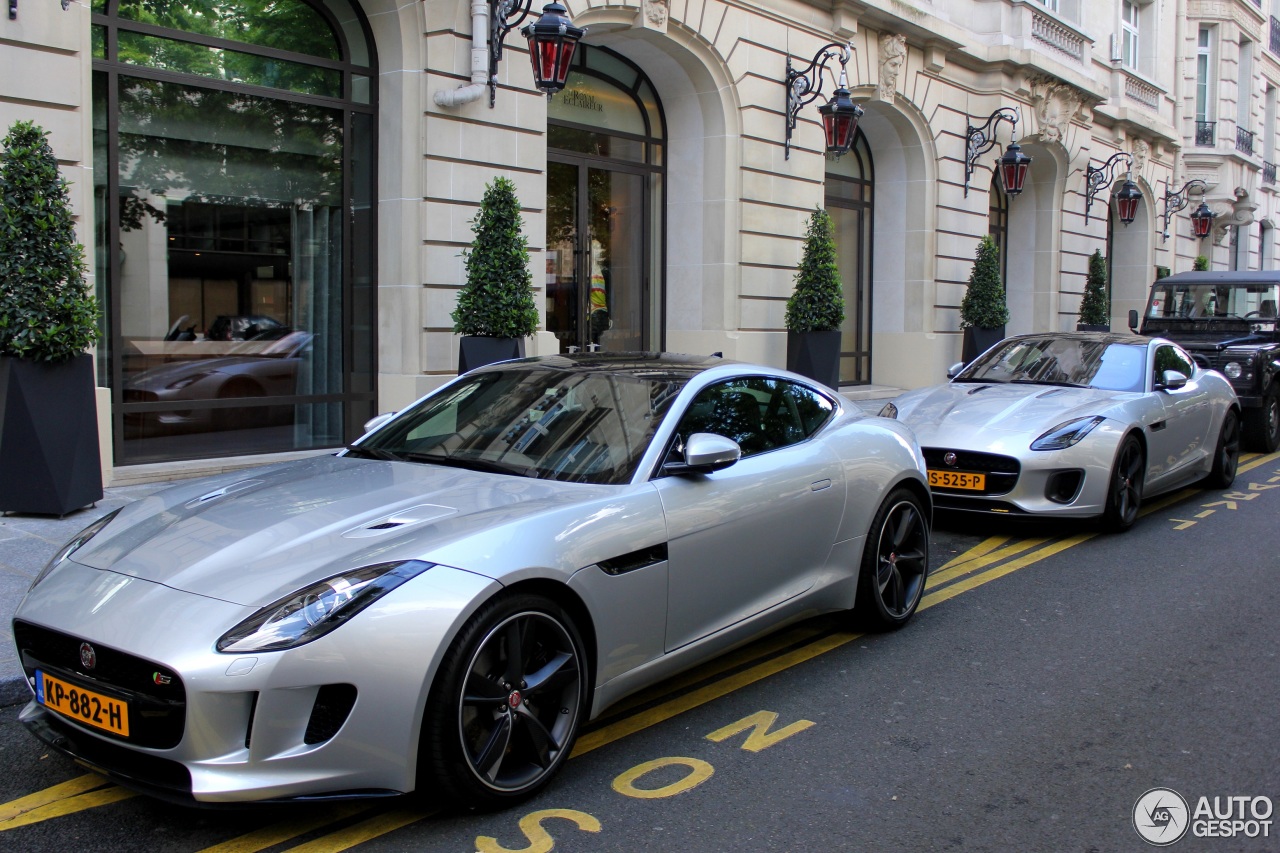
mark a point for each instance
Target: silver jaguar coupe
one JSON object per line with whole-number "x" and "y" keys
{"x": 1081, "y": 424}
{"x": 442, "y": 605}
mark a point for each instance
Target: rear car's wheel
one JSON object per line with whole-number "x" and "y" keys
{"x": 895, "y": 562}
{"x": 507, "y": 703}
{"x": 1262, "y": 429}
{"x": 1124, "y": 491}
{"x": 1226, "y": 456}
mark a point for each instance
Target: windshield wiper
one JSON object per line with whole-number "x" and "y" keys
{"x": 473, "y": 464}
{"x": 1047, "y": 382}
{"x": 375, "y": 452}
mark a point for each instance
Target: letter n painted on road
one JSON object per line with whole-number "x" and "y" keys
{"x": 760, "y": 737}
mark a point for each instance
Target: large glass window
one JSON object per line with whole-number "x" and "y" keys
{"x": 232, "y": 182}
{"x": 1204, "y": 75}
{"x": 850, "y": 181}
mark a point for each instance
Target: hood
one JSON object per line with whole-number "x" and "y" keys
{"x": 251, "y": 538}
{"x": 166, "y": 375}
{"x": 951, "y": 414}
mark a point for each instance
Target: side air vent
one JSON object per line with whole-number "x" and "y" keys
{"x": 333, "y": 705}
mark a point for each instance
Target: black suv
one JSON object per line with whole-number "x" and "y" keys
{"x": 1227, "y": 322}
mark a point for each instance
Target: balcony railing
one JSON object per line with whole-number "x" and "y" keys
{"x": 1244, "y": 141}
{"x": 1206, "y": 133}
{"x": 1059, "y": 39}
{"x": 1275, "y": 35}
{"x": 1269, "y": 173}
{"x": 1142, "y": 92}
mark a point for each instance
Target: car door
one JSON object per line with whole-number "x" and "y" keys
{"x": 1181, "y": 438}
{"x": 750, "y": 536}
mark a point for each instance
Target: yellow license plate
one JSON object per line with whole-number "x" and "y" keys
{"x": 85, "y": 706}
{"x": 957, "y": 480}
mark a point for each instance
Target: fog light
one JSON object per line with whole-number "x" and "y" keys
{"x": 1232, "y": 370}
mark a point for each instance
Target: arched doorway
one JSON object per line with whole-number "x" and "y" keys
{"x": 234, "y": 175}
{"x": 849, "y": 184}
{"x": 1130, "y": 259}
{"x": 606, "y": 139}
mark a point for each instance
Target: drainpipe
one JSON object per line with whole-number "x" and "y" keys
{"x": 479, "y": 61}
{"x": 1179, "y": 86}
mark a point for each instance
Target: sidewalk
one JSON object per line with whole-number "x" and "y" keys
{"x": 28, "y": 542}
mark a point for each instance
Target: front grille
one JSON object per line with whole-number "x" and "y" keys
{"x": 157, "y": 714}
{"x": 1002, "y": 471}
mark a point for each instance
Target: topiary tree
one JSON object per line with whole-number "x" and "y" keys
{"x": 1200, "y": 264}
{"x": 1095, "y": 309}
{"x": 817, "y": 304}
{"x": 983, "y": 306}
{"x": 497, "y": 299}
{"x": 47, "y": 313}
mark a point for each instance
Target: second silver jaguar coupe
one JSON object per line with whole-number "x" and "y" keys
{"x": 1074, "y": 425}
{"x": 444, "y": 604}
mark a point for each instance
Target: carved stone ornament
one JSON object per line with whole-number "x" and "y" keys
{"x": 1141, "y": 151}
{"x": 1238, "y": 213}
{"x": 893, "y": 53}
{"x": 654, "y": 15}
{"x": 1055, "y": 104}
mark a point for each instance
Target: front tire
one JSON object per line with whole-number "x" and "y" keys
{"x": 895, "y": 562}
{"x": 507, "y": 704}
{"x": 1124, "y": 490}
{"x": 1263, "y": 426}
{"x": 1226, "y": 456}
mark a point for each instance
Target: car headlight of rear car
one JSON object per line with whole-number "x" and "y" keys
{"x": 889, "y": 411}
{"x": 74, "y": 545}
{"x": 1067, "y": 434}
{"x": 310, "y": 613}
{"x": 1232, "y": 370}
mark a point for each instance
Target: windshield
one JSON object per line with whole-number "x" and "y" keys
{"x": 1071, "y": 362}
{"x": 1254, "y": 302}
{"x": 549, "y": 424}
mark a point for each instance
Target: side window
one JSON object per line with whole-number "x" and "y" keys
{"x": 760, "y": 414}
{"x": 1171, "y": 358}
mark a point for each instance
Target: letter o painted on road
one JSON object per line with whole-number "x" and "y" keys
{"x": 699, "y": 772}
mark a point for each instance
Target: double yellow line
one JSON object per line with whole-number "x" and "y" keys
{"x": 989, "y": 560}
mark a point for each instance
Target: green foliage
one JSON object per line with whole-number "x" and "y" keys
{"x": 497, "y": 299}
{"x": 817, "y": 304}
{"x": 46, "y": 311}
{"x": 1095, "y": 308}
{"x": 983, "y": 306}
{"x": 1200, "y": 264}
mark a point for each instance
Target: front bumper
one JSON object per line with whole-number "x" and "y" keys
{"x": 249, "y": 722}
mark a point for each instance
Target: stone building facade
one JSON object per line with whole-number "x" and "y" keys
{"x": 312, "y": 178}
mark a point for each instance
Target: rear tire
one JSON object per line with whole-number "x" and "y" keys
{"x": 507, "y": 704}
{"x": 1262, "y": 427}
{"x": 895, "y": 563}
{"x": 1226, "y": 456}
{"x": 1124, "y": 489}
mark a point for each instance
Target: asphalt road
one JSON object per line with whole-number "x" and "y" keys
{"x": 1051, "y": 678}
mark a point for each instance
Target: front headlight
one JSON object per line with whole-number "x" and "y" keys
{"x": 1232, "y": 370}
{"x": 71, "y": 547}
{"x": 889, "y": 411}
{"x": 311, "y": 613}
{"x": 1066, "y": 434}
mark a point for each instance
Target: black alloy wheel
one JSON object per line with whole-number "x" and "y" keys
{"x": 1226, "y": 456}
{"x": 1263, "y": 433}
{"x": 514, "y": 694}
{"x": 1124, "y": 492}
{"x": 895, "y": 562}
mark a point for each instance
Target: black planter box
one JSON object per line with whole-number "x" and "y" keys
{"x": 49, "y": 461}
{"x": 1093, "y": 327}
{"x": 477, "y": 351}
{"x": 977, "y": 341}
{"x": 815, "y": 355}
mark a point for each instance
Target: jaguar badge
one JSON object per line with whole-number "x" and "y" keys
{"x": 88, "y": 657}
{"x": 950, "y": 459}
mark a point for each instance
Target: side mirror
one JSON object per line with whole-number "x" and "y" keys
{"x": 1172, "y": 380}
{"x": 1133, "y": 320}
{"x": 954, "y": 370}
{"x": 375, "y": 422}
{"x": 705, "y": 452}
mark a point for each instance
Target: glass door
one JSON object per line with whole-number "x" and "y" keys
{"x": 596, "y": 287}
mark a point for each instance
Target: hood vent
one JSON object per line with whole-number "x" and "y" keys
{"x": 404, "y": 518}
{"x": 223, "y": 492}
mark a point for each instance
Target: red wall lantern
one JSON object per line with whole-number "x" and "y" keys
{"x": 1202, "y": 220}
{"x": 1013, "y": 169}
{"x": 840, "y": 119}
{"x": 552, "y": 41}
{"x": 1127, "y": 201}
